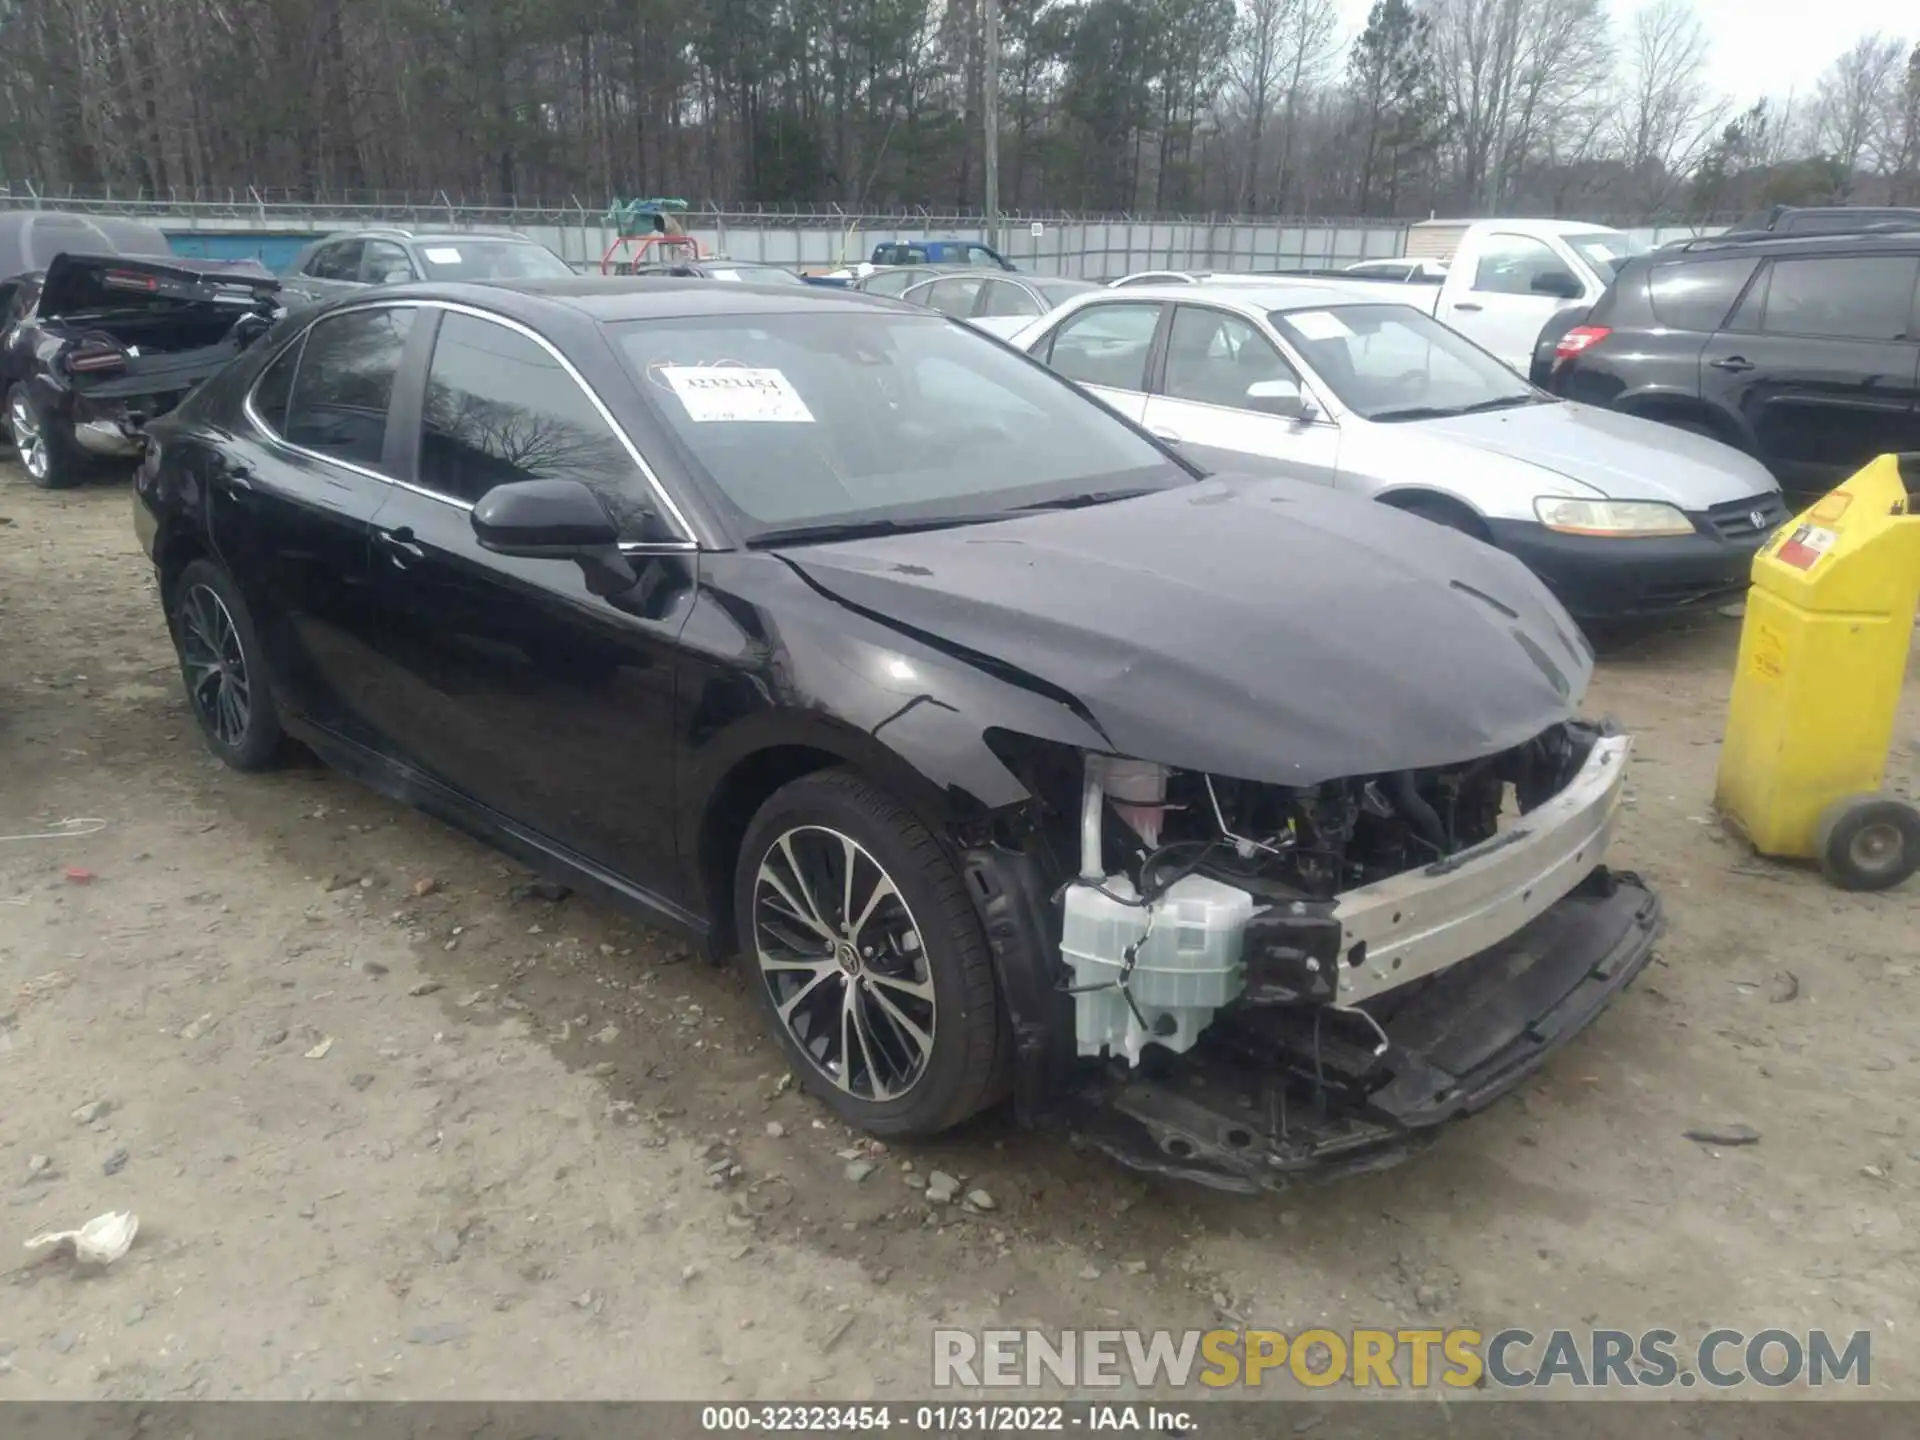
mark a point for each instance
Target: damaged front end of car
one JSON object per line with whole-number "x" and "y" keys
{"x": 1240, "y": 983}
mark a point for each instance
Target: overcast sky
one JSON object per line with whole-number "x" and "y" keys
{"x": 1766, "y": 47}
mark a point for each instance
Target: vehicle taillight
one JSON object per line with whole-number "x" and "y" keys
{"x": 129, "y": 280}
{"x": 1578, "y": 341}
{"x": 95, "y": 360}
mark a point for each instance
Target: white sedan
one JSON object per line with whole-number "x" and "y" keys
{"x": 1622, "y": 517}
{"x": 994, "y": 301}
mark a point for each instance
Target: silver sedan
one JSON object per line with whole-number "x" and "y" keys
{"x": 1622, "y": 517}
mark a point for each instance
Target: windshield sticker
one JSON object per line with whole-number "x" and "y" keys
{"x": 442, "y": 254}
{"x": 1803, "y": 548}
{"x": 738, "y": 393}
{"x": 733, "y": 275}
{"x": 1320, "y": 325}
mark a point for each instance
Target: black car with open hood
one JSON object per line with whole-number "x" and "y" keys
{"x": 1246, "y": 828}
{"x": 98, "y": 345}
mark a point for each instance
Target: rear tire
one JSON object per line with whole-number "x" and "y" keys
{"x": 859, "y": 937}
{"x": 223, "y": 669}
{"x": 48, "y": 455}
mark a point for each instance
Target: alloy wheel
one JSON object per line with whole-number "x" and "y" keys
{"x": 842, "y": 958}
{"x": 216, "y": 665}
{"x": 28, "y": 441}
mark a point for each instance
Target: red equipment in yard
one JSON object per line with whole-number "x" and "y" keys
{"x": 686, "y": 246}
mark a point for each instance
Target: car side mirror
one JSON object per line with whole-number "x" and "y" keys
{"x": 1280, "y": 398}
{"x": 1557, "y": 283}
{"x": 393, "y": 275}
{"x": 543, "y": 520}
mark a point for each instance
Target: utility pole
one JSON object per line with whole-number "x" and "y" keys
{"x": 992, "y": 108}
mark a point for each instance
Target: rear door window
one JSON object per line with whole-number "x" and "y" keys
{"x": 275, "y": 387}
{"x": 344, "y": 383}
{"x": 1852, "y": 297}
{"x": 1698, "y": 295}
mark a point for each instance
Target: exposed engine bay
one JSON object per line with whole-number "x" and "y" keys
{"x": 1348, "y": 957}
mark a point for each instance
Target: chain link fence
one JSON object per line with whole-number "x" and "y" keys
{"x": 1097, "y": 247}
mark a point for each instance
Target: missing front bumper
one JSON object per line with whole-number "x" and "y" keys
{"x": 1271, "y": 1097}
{"x": 1423, "y": 921}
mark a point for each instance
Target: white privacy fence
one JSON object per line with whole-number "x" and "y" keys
{"x": 1096, "y": 247}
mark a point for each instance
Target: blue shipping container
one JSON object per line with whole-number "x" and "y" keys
{"x": 274, "y": 249}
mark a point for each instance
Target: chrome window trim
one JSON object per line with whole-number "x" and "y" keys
{"x": 593, "y": 397}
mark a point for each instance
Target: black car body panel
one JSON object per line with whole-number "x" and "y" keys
{"x": 1804, "y": 352}
{"x": 1203, "y": 665}
{"x": 76, "y": 283}
{"x": 103, "y": 344}
{"x": 616, "y": 718}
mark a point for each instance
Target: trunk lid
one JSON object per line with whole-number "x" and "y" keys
{"x": 79, "y": 284}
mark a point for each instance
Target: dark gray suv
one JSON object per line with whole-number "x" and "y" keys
{"x": 344, "y": 263}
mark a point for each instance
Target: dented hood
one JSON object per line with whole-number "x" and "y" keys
{"x": 1259, "y": 629}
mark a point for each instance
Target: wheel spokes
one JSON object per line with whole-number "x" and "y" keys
{"x": 869, "y": 1033}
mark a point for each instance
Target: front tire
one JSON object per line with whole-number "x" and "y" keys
{"x": 857, "y": 934}
{"x": 52, "y": 461}
{"x": 223, "y": 670}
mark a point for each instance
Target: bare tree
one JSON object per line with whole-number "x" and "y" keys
{"x": 1903, "y": 134}
{"x": 1254, "y": 74}
{"x": 1514, "y": 71}
{"x": 1665, "y": 117}
{"x": 1853, "y": 101}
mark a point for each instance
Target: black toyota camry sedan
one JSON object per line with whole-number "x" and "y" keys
{"x": 1010, "y": 754}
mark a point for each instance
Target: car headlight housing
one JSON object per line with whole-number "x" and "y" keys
{"x": 1610, "y": 517}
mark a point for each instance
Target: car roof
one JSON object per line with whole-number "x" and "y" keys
{"x": 1896, "y": 242}
{"x": 610, "y": 299}
{"x": 1256, "y": 299}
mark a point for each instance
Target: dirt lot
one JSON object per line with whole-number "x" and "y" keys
{"x": 395, "y": 1130}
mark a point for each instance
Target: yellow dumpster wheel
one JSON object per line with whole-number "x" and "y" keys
{"x": 1868, "y": 842}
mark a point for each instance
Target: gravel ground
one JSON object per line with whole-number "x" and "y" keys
{"x": 396, "y": 1128}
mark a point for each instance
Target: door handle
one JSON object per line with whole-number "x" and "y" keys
{"x": 400, "y": 541}
{"x": 1734, "y": 363}
{"x": 238, "y": 474}
{"x": 1465, "y": 305}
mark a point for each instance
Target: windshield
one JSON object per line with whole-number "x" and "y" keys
{"x": 476, "y": 258}
{"x": 1606, "y": 250}
{"x": 804, "y": 420}
{"x": 1392, "y": 362}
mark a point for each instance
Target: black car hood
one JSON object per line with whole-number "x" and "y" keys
{"x": 1263, "y": 629}
{"x": 78, "y": 283}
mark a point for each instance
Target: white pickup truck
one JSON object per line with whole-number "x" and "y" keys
{"x": 1504, "y": 278}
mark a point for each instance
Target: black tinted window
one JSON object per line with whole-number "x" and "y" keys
{"x": 339, "y": 261}
{"x": 344, "y": 383}
{"x": 275, "y": 387}
{"x": 500, "y": 408}
{"x": 1856, "y": 297}
{"x": 1697, "y": 296}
